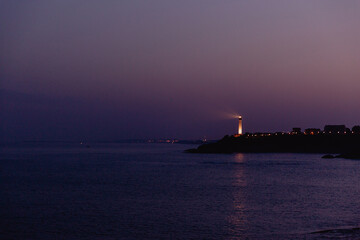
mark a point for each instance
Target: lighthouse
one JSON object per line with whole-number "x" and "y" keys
{"x": 240, "y": 126}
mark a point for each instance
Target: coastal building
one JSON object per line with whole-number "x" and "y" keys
{"x": 312, "y": 131}
{"x": 335, "y": 129}
{"x": 296, "y": 131}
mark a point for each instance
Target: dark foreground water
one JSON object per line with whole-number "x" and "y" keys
{"x": 155, "y": 191}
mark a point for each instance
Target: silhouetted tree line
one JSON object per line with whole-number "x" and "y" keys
{"x": 356, "y": 129}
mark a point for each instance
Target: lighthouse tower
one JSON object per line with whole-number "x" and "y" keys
{"x": 240, "y": 126}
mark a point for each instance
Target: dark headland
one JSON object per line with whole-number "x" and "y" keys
{"x": 334, "y": 139}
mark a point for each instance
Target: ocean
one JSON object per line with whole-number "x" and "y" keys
{"x": 156, "y": 191}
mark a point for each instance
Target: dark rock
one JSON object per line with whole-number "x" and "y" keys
{"x": 320, "y": 143}
{"x": 329, "y": 156}
{"x": 192, "y": 150}
{"x": 354, "y": 155}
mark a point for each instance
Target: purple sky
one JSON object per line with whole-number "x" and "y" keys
{"x": 106, "y": 70}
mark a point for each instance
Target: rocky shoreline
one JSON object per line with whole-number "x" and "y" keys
{"x": 333, "y": 145}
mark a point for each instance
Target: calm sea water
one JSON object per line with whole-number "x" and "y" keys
{"x": 155, "y": 191}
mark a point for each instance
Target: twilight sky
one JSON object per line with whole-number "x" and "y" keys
{"x": 108, "y": 70}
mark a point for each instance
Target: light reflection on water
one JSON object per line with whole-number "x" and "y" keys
{"x": 239, "y": 157}
{"x": 238, "y": 219}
